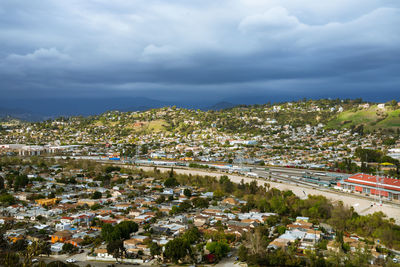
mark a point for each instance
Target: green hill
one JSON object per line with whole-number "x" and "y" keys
{"x": 372, "y": 118}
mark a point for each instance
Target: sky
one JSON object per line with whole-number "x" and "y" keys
{"x": 199, "y": 50}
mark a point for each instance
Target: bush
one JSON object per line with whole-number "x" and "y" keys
{"x": 219, "y": 249}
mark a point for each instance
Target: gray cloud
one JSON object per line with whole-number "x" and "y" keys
{"x": 189, "y": 49}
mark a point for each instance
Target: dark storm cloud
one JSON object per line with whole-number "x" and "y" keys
{"x": 184, "y": 49}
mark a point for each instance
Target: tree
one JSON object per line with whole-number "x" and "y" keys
{"x": 106, "y": 231}
{"x": 200, "y": 202}
{"x": 116, "y": 248}
{"x": 144, "y": 149}
{"x": 227, "y": 184}
{"x": 187, "y": 192}
{"x": 45, "y": 248}
{"x": 20, "y": 181}
{"x": 126, "y": 228}
{"x": 176, "y": 249}
{"x": 160, "y": 199}
{"x": 155, "y": 249}
{"x": 96, "y": 195}
{"x": 242, "y": 253}
{"x": 218, "y": 248}
{"x": 185, "y": 206}
{"x": 120, "y": 231}
{"x": 1, "y": 183}
{"x": 96, "y": 206}
{"x": 69, "y": 248}
{"x": 192, "y": 235}
{"x": 171, "y": 182}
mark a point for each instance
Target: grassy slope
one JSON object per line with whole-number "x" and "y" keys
{"x": 392, "y": 120}
{"x": 157, "y": 126}
{"x": 369, "y": 117}
{"x": 152, "y": 126}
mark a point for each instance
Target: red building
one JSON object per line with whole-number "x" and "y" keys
{"x": 373, "y": 185}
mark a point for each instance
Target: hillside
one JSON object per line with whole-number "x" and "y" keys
{"x": 240, "y": 122}
{"x": 371, "y": 118}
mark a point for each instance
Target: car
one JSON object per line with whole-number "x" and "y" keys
{"x": 34, "y": 260}
{"x": 72, "y": 260}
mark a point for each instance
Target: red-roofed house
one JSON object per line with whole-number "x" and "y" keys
{"x": 372, "y": 185}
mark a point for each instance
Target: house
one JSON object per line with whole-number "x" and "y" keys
{"x": 364, "y": 106}
{"x": 63, "y": 226}
{"x": 116, "y": 193}
{"x": 130, "y": 244}
{"x": 200, "y": 220}
{"x": 135, "y": 213}
{"x": 89, "y": 202}
{"x": 77, "y": 242}
{"x": 333, "y": 246}
{"x": 61, "y": 236}
{"x": 293, "y": 235}
{"x": 22, "y": 196}
{"x": 381, "y": 106}
{"x": 168, "y": 191}
{"x": 123, "y": 206}
{"x": 142, "y": 219}
{"x": 144, "y": 248}
{"x": 102, "y": 253}
{"x": 299, "y": 226}
{"x": 56, "y": 247}
{"x": 47, "y": 201}
{"x": 354, "y": 243}
{"x": 179, "y": 219}
{"x": 66, "y": 220}
{"x": 230, "y": 201}
{"x": 278, "y": 243}
{"x": 310, "y": 239}
{"x": 302, "y": 219}
{"x": 139, "y": 238}
{"x": 135, "y": 244}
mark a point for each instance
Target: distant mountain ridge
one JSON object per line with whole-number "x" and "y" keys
{"x": 52, "y": 108}
{"x": 222, "y": 105}
{"x": 20, "y": 114}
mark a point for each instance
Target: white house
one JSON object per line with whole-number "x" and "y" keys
{"x": 56, "y": 247}
{"x": 63, "y": 226}
{"x": 102, "y": 253}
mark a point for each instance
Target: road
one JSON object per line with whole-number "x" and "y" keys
{"x": 360, "y": 204}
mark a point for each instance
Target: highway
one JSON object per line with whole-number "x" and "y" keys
{"x": 361, "y": 204}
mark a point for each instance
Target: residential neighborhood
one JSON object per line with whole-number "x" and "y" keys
{"x": 89, "y": 191}
{"x": 73, "y": 208}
